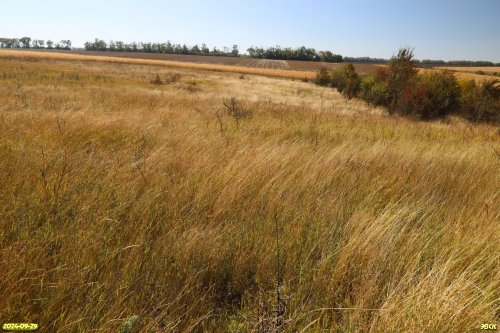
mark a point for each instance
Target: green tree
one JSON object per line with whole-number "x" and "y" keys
{"x": 65, "y": 44}
{"x": 25, "y": 42}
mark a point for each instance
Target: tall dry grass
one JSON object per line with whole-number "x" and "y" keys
{"x": 131, "y": 205}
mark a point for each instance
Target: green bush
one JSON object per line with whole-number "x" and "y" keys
{"x": 346, "y": 81}
{"x": 444, "y": 93}
{"x": 373, "y": 91}
{"x": 323, "y": 77}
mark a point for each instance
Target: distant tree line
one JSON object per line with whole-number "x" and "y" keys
{"x": 288, "y": 53}
{"x": 365, "y": 60}
{"x": 468, "y": 63}
{"x": 423, "y": 63}
{"x": 29, "y": 43}
{"x": 167, "y": 47}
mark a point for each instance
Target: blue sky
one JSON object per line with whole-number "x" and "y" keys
{"x": 437, "y": 29}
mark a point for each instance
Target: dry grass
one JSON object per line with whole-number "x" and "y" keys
{"x": 243, "y": 61}
{"x": 121, "y": 197}
{"x": 34, "y": 56}
{"x": 491, "y": 69}
{"x": 470, "y": 73}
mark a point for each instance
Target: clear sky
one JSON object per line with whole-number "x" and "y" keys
{"x": 437, "y": 29}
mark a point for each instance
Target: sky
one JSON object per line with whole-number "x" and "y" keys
{"x": 437, "y": 29}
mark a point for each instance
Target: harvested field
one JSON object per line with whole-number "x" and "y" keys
{"x": 219, "y": 67}
{"x": 463, "y": 74}
{"x": 487, "y": 70}
{"x": 294, "y": 65}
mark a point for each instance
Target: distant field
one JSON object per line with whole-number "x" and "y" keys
{"x": 474, "y": 73}
{"x": 488, "y": 70}
{"x": 247, "y": 62}
{"x": 291, "y": 69}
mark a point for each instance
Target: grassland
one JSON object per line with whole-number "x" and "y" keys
{"x": 485, "y": 69}
{"x": 474, "y": 73}
{"x": 302, "y": 70}
{"x": 122, "y": 200}
{"x": 294, "y": 65}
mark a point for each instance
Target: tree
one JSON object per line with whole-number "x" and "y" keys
{"x": 195, "y": 49}
{"x": 204, "y": 49}
{"x": 301, "y": 53}
{"x": 50, "y": 44}
{"x": 251, "y": 52}
{"x": 119, "y": 45}
{"x": 65, "y": 44}
{"x": 6, "y": 42}
{"x": 38, "y": 43}
{"x": 235, "y": 51}
{"x": 25, "y": 42}
{"x": 402, "y": 70}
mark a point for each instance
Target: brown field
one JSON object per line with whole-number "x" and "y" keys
{"x": 307, "y": 66}
{"x": 491, "y": 70}
{"x": 125, "y": 59}
{"x": 126, "y": 201}
{"x": 470, "y": 73}
{"x": 294, "y": 65}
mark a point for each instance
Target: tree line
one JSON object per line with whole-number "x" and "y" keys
{"x": 166, "y": 47}
{"x": 405, "y": 91}
{"x": 277, "y": 53}
{"x": 458, "y": 63}
{"x": 424, "y": 62}
{"x": 288, "y": 53}
{"x": 29, "y": 43}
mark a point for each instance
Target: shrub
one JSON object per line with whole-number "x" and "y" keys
{"x": 444, "y": 94}
{"x": 338, "y": 80}
{"x": 480, "y": 101}
{"x": 400, "y": 74}
{"x": 352, "y": 82}
{"x": 346, "y": 80}
{"x": 373, "y": 91}
{"x": 429, "y": 96}
{"x": 237, "y": 109}
{"x": 433, "y": 94}
{"x": 168, "y": 78}
{"x": 322, "y": 77}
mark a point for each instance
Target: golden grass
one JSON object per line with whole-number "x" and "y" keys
{"x": 491, "y": 69}
{"x": 34, "y": 55}
{"x": 470, "y": 73}
{"x": 120, "y": 197}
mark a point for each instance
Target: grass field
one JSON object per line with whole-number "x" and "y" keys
{"x": 243, "y": 61}
{"x": 246, "y": 65}
{"x": 474, "y": 73}
{"x": 123, "y": 201}
{"x": 487, "y": 70}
